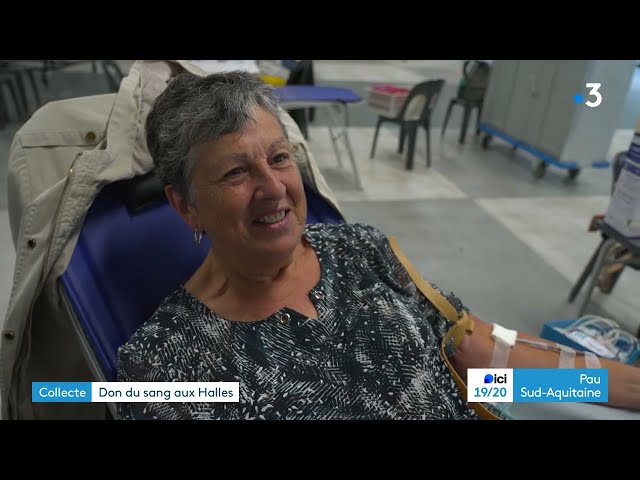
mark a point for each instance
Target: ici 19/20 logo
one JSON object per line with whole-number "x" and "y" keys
{"x": 579, "y": 98}
{"x": 488, "y": 378}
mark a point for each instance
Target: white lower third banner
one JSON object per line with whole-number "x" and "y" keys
{"x": 135, "y": 391}
{"x": 496, "y": 385}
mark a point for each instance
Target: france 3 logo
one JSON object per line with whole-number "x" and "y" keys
{"x": 593, "y": 92}
{"x": 490, "y": 385}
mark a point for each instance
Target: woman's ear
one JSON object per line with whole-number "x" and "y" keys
{"x": 186, "y": 211}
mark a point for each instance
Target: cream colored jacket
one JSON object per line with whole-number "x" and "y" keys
{"x": 59, "y": 161}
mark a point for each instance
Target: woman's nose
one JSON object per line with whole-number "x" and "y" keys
{"x": 269, "y": 186}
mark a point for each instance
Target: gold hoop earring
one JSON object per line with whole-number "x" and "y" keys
{"x": 197, "y": 236}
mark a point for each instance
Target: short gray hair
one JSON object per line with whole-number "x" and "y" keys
{"x": 193, "y": 110}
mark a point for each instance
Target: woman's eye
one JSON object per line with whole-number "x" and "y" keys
{"x": 233, "y": 172}
{"x": 281, "y": 158}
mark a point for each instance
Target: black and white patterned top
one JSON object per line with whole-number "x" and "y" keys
{"x": 372, "y": 354}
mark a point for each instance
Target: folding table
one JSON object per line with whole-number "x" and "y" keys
{"x": 329, "y": 100}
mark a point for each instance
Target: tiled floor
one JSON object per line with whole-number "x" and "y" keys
{"x": 476, "y": 222}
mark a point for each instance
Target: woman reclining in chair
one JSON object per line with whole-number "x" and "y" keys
{"x": 314, "y": 321}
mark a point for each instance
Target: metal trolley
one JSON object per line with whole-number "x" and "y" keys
{"x": 539, "y": 171}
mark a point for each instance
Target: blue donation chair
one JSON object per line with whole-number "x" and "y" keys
{"x": 134, "y": 250}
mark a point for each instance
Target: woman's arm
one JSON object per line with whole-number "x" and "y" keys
{"x": 476, "y": 350}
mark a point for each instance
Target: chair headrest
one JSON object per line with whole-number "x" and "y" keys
{"x": 144, "y": 191}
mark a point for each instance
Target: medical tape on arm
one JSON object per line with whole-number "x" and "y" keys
{"x": 591, "y": 360}
{"x": 567, "y": 357}
{"x": 504, "y": 339}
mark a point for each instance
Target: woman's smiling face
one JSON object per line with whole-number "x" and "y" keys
{"x": 249, "y": 194}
